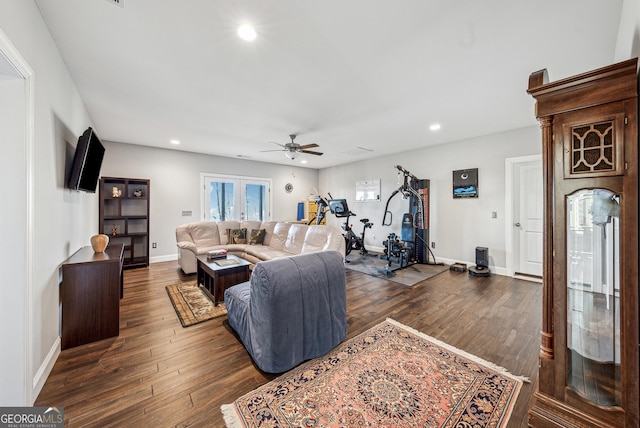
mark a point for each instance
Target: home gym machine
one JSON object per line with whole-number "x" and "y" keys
{"x": 413, "y": 244}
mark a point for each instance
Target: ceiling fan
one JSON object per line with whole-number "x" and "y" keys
{"x": 292, "y": 150}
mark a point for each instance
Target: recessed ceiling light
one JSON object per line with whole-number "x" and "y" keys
{"x": 175, "y": 142}
{"x": 247, "y": 32}
{"x": 435, "y": 127}
{"x": 303, "y": 161}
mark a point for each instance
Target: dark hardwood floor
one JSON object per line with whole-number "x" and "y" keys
{"x": 157, "y": 373}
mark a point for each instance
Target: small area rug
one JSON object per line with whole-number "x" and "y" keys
{"x": 372, "y": 265}
{"x": 193, "y": 304}
{"x": 388, "y": 376}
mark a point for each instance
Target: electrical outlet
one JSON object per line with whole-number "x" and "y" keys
{"x": 154, "y": 245}
{"x": 433, "y": 245}
{"x": 494, "y": 214}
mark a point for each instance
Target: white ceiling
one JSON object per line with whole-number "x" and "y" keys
{"x": 346, "y": 74}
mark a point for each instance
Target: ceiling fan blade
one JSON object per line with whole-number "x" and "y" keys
{"x": 276, "y": 150}
{"x": 277, "y": 144}
{"x": 308, "y": 146}
{"x": 310, "y": 152}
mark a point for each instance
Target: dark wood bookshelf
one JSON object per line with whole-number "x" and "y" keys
{"x": 124, "y": 217}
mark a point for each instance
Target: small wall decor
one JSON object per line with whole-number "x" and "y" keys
{"x": 368, "y": 191}
{"x": 465, "y": 183}
{"x": 288, "y": 187}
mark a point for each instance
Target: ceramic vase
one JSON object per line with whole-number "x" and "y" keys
{"x": 99, "y": 242}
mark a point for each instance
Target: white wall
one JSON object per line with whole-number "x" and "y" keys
{"x": 458, "y": 226}
{"x": 175, "y": 185}
{"x": 63, "y": 220}
{"x": 628, "y": 42}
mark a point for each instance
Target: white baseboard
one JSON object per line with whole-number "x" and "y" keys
{"x": 375, "y": 249}
{"x": 167, "y": 258}
{"x": 45, "y": 369}
{"x": 528, "y": 278}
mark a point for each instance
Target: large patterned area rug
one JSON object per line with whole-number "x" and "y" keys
{"x": 371, "y": 264}
{"x": 388, "y": 376}
{"x": 193, "y": 304}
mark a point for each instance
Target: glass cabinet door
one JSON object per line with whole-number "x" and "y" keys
{"x": 593, "y": 296}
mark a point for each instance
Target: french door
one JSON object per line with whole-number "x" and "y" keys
{"x": 227, "y": 197}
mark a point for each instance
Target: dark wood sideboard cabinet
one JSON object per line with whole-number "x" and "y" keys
{"x": 588, "y": 374}
{"x": 124, "y": 216}
{"x": 90, "y": 293}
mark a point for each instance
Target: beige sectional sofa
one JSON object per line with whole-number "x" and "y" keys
{"x": 281, "y": 239}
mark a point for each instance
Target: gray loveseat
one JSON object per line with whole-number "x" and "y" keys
{"x": 293, "y": 309}
{"x": 280, "y": 239}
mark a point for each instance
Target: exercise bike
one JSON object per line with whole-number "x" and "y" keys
{"x": 359, "y": 241}
{"x": 340, "y": 209}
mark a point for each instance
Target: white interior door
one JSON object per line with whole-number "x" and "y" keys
{"x": 528, "y": 221}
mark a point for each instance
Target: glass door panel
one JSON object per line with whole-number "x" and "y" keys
{"x": 255, "y": 201}
{"x": 593, "y": 295}
{"x": 221, "y": 199}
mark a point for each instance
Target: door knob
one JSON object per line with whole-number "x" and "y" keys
{"x": 517, "y": 224}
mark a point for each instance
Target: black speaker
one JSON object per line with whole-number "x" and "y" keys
{"x": 482, "y": 257}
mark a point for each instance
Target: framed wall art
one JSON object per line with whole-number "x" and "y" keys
{"x": 368, "y": 191}
{"x": 465, "y": 183}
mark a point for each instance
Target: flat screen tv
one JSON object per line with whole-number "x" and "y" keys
{"x": 87, "y": 161}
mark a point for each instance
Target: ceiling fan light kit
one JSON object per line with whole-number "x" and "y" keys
{"x": 291, "y": 154}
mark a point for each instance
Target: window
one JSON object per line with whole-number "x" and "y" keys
{"x": 227, "y": 197}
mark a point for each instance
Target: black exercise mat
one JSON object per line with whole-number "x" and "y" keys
{"x": 371, "y": 264}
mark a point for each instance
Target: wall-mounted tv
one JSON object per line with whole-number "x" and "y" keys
{"x": 87, "y": 161}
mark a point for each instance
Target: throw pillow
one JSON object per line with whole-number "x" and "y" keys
{"x": 257, "y": 236}
{"x": 237, "y": 236}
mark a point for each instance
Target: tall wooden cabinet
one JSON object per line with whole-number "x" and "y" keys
{"x": 588, "y": 374}
{"x": 124, "y": 216}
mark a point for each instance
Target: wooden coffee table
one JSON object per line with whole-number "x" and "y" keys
{"x": 219, "y": 274}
